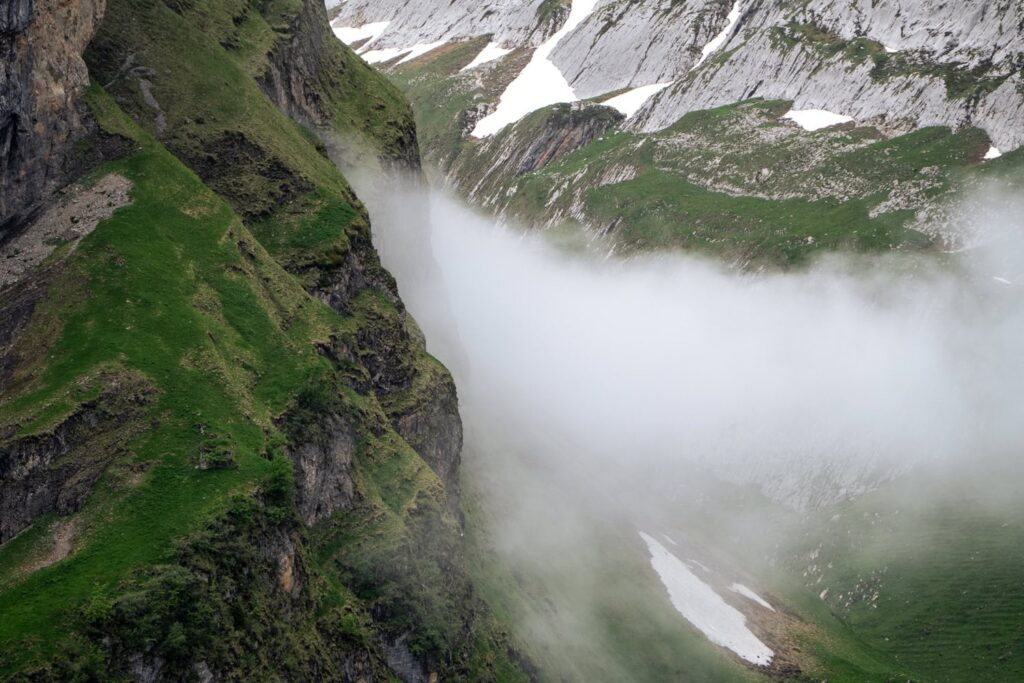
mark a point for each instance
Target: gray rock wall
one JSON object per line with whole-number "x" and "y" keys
{"x": 787, "y": 49}
{"x": 758, "y": 62}
{"x": 626, "y": 44}
{"x": 42, "y": 80}
{"x": 519, "y": 22}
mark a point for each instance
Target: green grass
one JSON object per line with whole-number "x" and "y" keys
{"x": 719, "y": 181}
{"x": 726, "y": 191}
{"x": 147, "y": 269}
{"x": 661, "y": 211}
{"x": 217, "y": 323}
{"x": 949, "y": 603}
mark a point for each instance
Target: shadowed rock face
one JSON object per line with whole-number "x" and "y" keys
{"x": 42, "y": 80}
{"x": 516, "y": 152}
{"x": 55, "y": 471}
{"x": 323, "y": 470}
{"x": 305, "y": 68}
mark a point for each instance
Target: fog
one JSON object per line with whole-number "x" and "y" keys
{"x": 604, "y": 396}
{"x": 855, "y": 366}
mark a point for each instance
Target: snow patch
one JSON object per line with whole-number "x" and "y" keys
{"x": 488, "y": 54}
{"x": 700, "y": 605}
{"x": 747, "y": 593}
{"x": 816, "y": 119}
{"x": 992, "y": 153}
{"x": 719, "y": 40}
{"x": 539, "y": 84}
{"x": 630, "y": 102}
{"x": 421, "y": 49}
{"x": 367, "y": 32}
{"x": 383, "y": 55}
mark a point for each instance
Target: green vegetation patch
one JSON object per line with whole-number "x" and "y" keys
{"x": 178, "y": 292}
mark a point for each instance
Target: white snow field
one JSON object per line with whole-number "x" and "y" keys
{"x": 700, "y": 605}
{"x": 630, "y": 102}
{"x": 816, "y": 119}
{"x": 751, "y": 595}
{"x": 421, "y": 49}
{"x": 491, "y": 52}
{"x": 383, "y": 55}
{"x": 719, "y": 40}
{"x": 539, "y": 84}
{"x": 992, "y": 153}
{"x": 367, "y": 32}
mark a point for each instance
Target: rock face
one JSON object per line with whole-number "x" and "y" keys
{"x": 306, "y": 69}
{"x": 323, "y": 469}
{"x": 898, "y": 64}
{"x": 42, "y": 80}
{"x": 297, "y": 63}
{"x": 663, "y": 40}
{"x": 412, "y": 22}
{"x": 935, "y": 65}
{"x": 55, "y": 471}
{"x": 539, "y": 140}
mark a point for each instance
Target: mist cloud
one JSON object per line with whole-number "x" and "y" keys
{"x": 856, "y": 366}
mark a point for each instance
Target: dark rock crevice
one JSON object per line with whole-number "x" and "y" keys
{"x": 56, "y": 470}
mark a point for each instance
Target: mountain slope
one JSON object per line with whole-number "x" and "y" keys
{"x": 694, "y": 126}
{"x": 225, "y": 448}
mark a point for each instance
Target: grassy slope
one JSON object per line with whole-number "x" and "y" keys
{"x": 588, "y": 607}
{"x": 722, "y": 182}
{"x": 936, "y": 586}
{"x": 690, "y": 193}
{"x": 170, "y": 296}
{"x": 175, "y": 289}
{"x": 585, "y": 604}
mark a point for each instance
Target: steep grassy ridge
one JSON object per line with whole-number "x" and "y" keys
{"x": 210, "y": 387}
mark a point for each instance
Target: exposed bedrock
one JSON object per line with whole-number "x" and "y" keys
{"x": 42, "y": 80}
{"x": 897, "y": 92}
{"x": 543, "y": 138}
{"x": 899, "y": 64}
{"x": 54, "y": 471}
{"x": 522, "y": 22}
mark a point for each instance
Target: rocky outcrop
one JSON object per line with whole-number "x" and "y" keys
{"x": 898, "y": 64}
{"x": 238, "y": 600}
{"x": 628, "y": 44}
{"x": 42, "y": 81}
{"x": 487, "y": 171}
{"x": 54, "y": 471}
{"x": 66, "y": 221}
{"x": 322, "y": 458}
{"x": 413, "y": 22}
{"x": 297, "y": 64}
{"x": 797, "y": 56}
{"x": 428, "y": 419}
{"x": 308, "y": 71}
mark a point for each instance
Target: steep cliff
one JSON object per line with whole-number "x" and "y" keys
{"x": 225, "y": 451}
{"x": 709, "y": 134}
{"x": 411, "y": 23}
{"x": 42, "y": 81}
{"x": 900, "y": 64}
